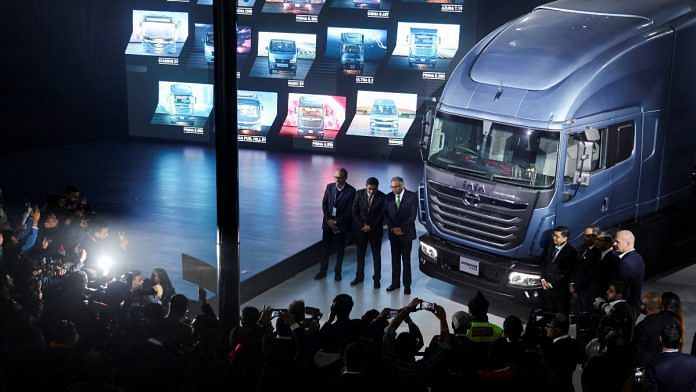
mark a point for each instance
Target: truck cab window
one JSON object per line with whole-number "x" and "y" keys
{"x": 619, "y": 143}
{"x": 572, "y": 154}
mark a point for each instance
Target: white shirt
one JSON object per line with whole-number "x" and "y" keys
{"x": 400, "y": 196}
{"x": 566, "y": 336}
{"x": 605, "y": 252}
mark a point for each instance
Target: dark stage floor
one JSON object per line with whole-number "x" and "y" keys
{"x": 163, "y": 196}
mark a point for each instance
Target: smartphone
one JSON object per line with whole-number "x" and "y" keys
{"x": 275, "y": 313}
{"x": 393, "y": 312}
{"x": 429, "y": 306}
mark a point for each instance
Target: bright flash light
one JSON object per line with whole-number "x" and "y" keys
{"x": 104, "y": 263}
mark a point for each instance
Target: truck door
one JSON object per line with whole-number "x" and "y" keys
{"x": 624, "y": 165}
{"x": 579, "y": 206}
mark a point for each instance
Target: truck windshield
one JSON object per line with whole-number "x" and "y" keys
{"x": 507, "y": 154}
{"x": 351, "y": 49}
{"x": 424, "y": 40}
{"x": 283, "y": 46}
{"x": 310, "y": 112}
{"x": 383, "y": 109}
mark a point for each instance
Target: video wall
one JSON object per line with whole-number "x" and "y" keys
{"x": 351, "y": 75}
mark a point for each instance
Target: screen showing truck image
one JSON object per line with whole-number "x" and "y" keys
{"x": 256, "y": 111}
{"x": 496, "y": 152}
{"x": 243, "y": 39}
{"x": 183, "y": 104}
{"x": 356, "y": 51}
{"x": 383, "y": 114}
{"x": 298, "y": 7}
{"x": 435, "y": 1}
{"x": 284, "y": 55}
{"x": 158, "y": 33}
{"x": 424, "y": 46}
{"x": 312, "y": 116}
{"x": 362, "y": 4}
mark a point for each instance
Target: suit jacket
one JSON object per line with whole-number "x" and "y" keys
{"x": 631, "y": 269}
{"x": 586, "y": 269}
{"x": 404, "y": 217}
{"x": 607, "y": 269}
{"x": 374, "y": 216}
{"x": 673, "y": 372}
{"x": 344, "y": 206}
{"x": 646, "y": 338}
{"x": 562, "y": 357}
{"x": 558, "y": 271}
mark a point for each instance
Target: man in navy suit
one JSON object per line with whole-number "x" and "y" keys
{"x": 672, "y": 370}
{"x": 558, "y": 266}
{"x": 337, "y": 205}
{"x": 400, "y": 209}
{"x": 631, "y": 268}
{"x": 368, "y": 226}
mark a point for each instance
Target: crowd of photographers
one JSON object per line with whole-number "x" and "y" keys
{"x": 58, "y": 333}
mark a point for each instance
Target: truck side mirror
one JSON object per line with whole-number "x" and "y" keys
{"x": 583, "y": 163}
{"x": 426, "y": 131}
{"x": 591, "y": 134}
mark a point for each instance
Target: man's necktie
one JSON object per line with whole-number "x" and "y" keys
{"x": 369, "y": 202}
{"x": 398, "y": 201}
{"x": 555, "y": 253}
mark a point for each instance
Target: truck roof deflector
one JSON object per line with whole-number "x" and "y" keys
{"x": 594, "y": 13}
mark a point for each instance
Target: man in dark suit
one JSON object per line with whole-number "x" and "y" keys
{"x": 608, "y": 262}
{"x": 337, "y": 205}
{"x": 558, "y": 265}
{"x": 582, "y": 282}
{"x": 368, "y": 222}
{"x": 400, "y": 209}
{"x": 562, "y": 354}
{"x": 672, "y": 370}
{"x": 645, "y": 343}
{"x": 631, "y": 268}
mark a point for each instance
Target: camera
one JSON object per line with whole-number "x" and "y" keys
{"x": 276, "y": 312}
{"x": 603, "y": 305}
{"x": 394, "y": 312}
{"x": 426, "y": 306}
{"x": 314, "y": 313}
{"x": 638, "y": 375}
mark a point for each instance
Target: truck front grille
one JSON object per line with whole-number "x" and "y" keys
{"x": 478, "y": 217}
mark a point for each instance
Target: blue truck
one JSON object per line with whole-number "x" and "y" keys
{"x": 181, "y": 104}
{"x": 352, "y": 51}
{"x": 578, "y": 113}
{"x": 310, "y": 117}
{"x": 209, "y": 46}
{"x": 249, "y": 111}
{"x": 282, "y": 56}
{"x": 422, "y": 46}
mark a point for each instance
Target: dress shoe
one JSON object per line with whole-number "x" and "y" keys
{"x": 356, "y": 281}
{"x": 319, "y": 276}
{"x": 377, "y": 285}
{"x": 337, "y": 277}
{"x": 407, "y": 290}
{"x": 392, "y": 288}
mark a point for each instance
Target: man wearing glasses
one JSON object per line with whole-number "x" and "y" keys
{"x": 583, "y": 282}
{"x": 337, "y": 207}
{"x": 400, "y": 209}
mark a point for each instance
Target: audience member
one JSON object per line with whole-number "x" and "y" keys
{"x": 672, "y": 370}
{"x": 646, "y": 334}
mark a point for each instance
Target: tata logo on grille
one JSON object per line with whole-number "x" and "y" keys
{"x": 473, "y": 187}
{"x": 472, "y": 199}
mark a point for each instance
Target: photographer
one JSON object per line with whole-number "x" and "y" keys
{"x": 616, "y": 311}
{"x": 399, "y": 352}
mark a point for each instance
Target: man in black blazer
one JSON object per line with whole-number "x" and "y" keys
{"x": 631, "y": 268}
{"x": 400, "y": 209}
{"x": 558, "y": 265}
{"x": 608, "y": 261}
{"x": 584, "y": 277}
{"x": 672, "y": 370}
{"x": 337, "y": 206}
{"x": 368, "y": 226}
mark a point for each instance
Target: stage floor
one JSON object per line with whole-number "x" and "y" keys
{"x": 163, "y": 196}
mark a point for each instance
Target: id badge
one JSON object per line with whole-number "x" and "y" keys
{"x": 333, "y": 212}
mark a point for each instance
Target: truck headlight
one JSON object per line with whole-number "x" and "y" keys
{"x": 524, "y": 280}
{"x": 429, "y": 251}
{"x": 293, "y": 61}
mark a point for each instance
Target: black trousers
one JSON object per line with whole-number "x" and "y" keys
{"x": 332, "y": 241}
{"x": 401, "y": 256}
{"x": 375, "y": 241}
{"x": 557, "y": 300}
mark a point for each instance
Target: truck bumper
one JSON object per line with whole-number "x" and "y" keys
{"x": 466, "y": 267}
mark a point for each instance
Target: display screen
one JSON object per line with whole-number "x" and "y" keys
{"x": 424, "y": 46}
{"x": 158, "y": 33}
{"x": 383, "y": 114}
{"x": 356, "y": 51}
{"x": 256, "y": 112}
{"x": 301, "y": 7}
{"x": 363, "y": 4}
{"x": 182, "y": 103}
{"x": 312, "y": 116}
{"x": 284, "y": 55}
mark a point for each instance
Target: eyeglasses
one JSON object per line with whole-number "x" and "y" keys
{"x": 395, "y": 186}
{"x": 338, "y": 177}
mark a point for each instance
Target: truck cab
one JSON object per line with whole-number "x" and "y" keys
{"x": 249, "y": 111}
{"x": 575, "y": 114}
{"x": 282, "y": 56}
{"x": 159, "y": 34}
{"x": 310, "y": 117}
{"x": 384, "y": 117}
{"x": 352, "y": 51}
{"x": 422, "y": 49}
{"x": 181, "y": 104}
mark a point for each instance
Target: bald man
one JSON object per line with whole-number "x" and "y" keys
{"x": 646, "y": 335}
{"x": 631, "y": 268}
